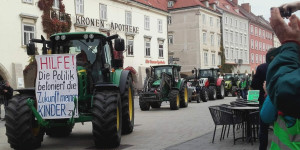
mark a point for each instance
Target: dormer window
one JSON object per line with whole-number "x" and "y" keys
{"x": 227, "y": 6}
{"x": 237, "y": 10}
{"x": 206, "y": 4}
{"x": 170, "y": 3}
{"x": 217, "y": 2}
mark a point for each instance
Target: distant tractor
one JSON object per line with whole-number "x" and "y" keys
{"x": 163, "y": 83}
{"x": 231, "y": 84}
{"x": 194, "y": 89}
{"x": 105, "y": 92}
{"x": 211, "y": 83}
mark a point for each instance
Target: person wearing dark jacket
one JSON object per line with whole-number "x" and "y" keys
{"x": 257, "y": 84}
{"x": 7, "y": 93}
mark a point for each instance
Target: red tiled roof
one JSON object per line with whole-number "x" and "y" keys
{"x": 158, "y": 4}
{"x": 223, "y": 3}
{"x": 190, "y": 3}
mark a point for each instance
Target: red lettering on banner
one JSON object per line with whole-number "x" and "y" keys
{"x": 58, "y": 61}
{"x": 154, "y": 62}
{"x": 44, "y": 63}
{"x": 66, "y": 62}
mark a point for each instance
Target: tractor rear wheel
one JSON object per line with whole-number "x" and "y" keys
{"x": 22, "y": 130}
{"x": 174, "y": 100}
{"x": 143, "y": 105}
{"x": 198, "y": 98}
{"x": 62, "y": 131}
{"x": 155, "y": 104}
{"x": 221, "y": 91}
{"x": 212, "y": 92}
{"x": 204, "y": 95}
{"x": 184, "y": 97}
{"x": 128, "y": 107}
{"x": 107, "y": 120}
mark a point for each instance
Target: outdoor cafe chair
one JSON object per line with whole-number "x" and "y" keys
{"x": 224, "y": 118}
{"x": 254, "y": 121}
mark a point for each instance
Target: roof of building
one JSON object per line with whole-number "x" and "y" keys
{"x": 158, "y": 4}
{"x": 191, "y": 3}
{"x": 229, "y": 7}
{"x": 259, "y": 20}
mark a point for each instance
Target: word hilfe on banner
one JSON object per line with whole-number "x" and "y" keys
{"x": 56, "y": 86}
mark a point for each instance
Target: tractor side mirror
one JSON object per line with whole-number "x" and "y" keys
{"x": 119, "y": 44}
{"x": 30, "y": 48}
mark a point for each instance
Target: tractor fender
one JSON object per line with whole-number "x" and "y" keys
{"x": 26, "y": 91}
{"x": 123, "y": 79}
{"x": 183, "y": 81}
{"x": 219, "y": 81}
{"x": 105, "y": 86}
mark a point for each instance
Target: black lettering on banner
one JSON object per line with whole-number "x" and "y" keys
{"x": 78, "y": 20}
{"x": 97, "y": 22}
{"x": 87, "y": 21}
{"x": 82, "y": 20}
{"x": 92, "y": 22}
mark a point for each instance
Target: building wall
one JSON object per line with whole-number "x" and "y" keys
{"x": 14, "y": 57}
{"x": 276, "y": 41}
{"x": 259, "y": 44}
{"x": 187, "y": 29}
{"x": 235, "y": 29}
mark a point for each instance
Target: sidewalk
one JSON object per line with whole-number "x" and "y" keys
{"x": 204, "y": 142}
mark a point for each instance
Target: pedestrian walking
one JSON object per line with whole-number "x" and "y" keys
{"x": 7, "y": 93}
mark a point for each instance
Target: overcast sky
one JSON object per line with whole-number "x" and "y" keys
{"x": 262, "y": 7}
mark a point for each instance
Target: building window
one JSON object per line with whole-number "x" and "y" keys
{"x": 147, "y": 22}
{"x": 259, "y": 32}
{"x": 256, "y": 45}
{"x": 205, "y": 59}
{"x": 246, "y": 56}
{"x": 226, "y": 37}
{"x": 219, "y": 59}
{"x": 259, "y": 45}
{"x": 256, "y": 57}
{"x": 226, "y": 53}
{"x": 231, "y": 54}
{"x": 211, "y": 21}
{"x": 230, "y": 21}
{"x": 160, "y": 28}
{"x": 79, "y": 7}
{"x": 226, "y": 21}
{"x": 170, "y": 4}
{"x": 252, "y": 43}
{"x": 241, "y": 55}
{"x": 219, "y": 40}
{"x": 28, "y": 33}
{"x": 103, "y": 12}
{"x": 218, "y": 23}
{"x": 55, "y": 4}
{"x": 245, "y": 40}
{"x": 128, "y": 18}
{"x": 170, "y": 39}
{"x": 204, "y": 37}
{"x": 260, "y": 59}
{"x": 241, "y": 38}
{"x": 231, "y": 37}
{"x": 212, "y": 39}
{"x": 213, "y": 59}
{"x": 251, "y": 29}
{"x": 28, "y": 1}
{"x": 161, "y": 50}
{"x": 252, "y": 57}
{"x": 263, "y": 34}
{"x": 147, "y": 49}
{"x": 169, "y": 20}
{"x": 203, "y": 19}
{"x": 236, "y": 37}
{"x": 236, "y": 23}
{"x": 264, "y": 59}
{"x": 255, "y": 31}
{"x": 130, "y": 47}
{"x": 264, "y": 47}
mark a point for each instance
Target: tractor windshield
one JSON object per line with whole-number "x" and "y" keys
{"x": 159, "y": 70}
{"x": 228, "y": 76}
{"x": 85, "y": 50}
{"x": 205, "y": 73}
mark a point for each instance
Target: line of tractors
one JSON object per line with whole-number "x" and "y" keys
{"x": 105, "y": 92}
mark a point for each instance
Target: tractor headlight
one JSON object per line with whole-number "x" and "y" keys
{"x": 91, "y": 36}
{"x": 85, "y": 36}
{"x": 106, "y": 66}
{"x": 63, "y": 37}
{"x": 57, "y": 37}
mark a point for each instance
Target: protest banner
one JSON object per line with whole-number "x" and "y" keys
{"x": 253, "y": 95}
{"x": 56, "y": 86}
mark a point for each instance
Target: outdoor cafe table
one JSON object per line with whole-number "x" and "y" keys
{"x": 246, "y": 110}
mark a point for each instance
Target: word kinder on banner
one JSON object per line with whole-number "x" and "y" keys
{"x": 56, "y": 86}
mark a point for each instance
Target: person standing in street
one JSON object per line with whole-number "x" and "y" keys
{"x": 7, "y": 92}
{"x": 283, "y": 82}
{"x": 257, "y": 84}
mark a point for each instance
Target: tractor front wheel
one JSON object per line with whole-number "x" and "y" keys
{"x": 145, "y": 106}
{"x": 22, "y": 130}
{"x": 212, "y": 93}
{"x": 107, "y": 121}
{"x": 128, "y": 107}
{"x": 184, "y": 97}
{"x": 204, "y": 95}
{"x": 174, "y": 100}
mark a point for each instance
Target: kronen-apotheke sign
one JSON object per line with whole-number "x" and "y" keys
{"x": 101, "y": 24}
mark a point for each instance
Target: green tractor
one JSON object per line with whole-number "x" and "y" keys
{"x": 231, "y": 83}
{"x": 105, "y": 93}
{"x": 163, "y": 83}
